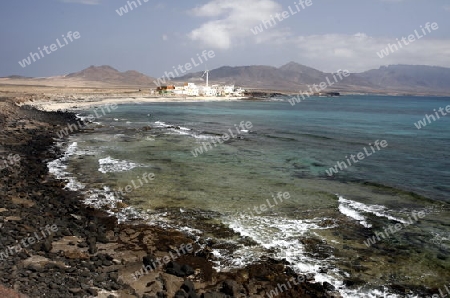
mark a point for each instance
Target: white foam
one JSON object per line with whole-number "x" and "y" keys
{"x": 82, "y": 118}
{"x": 58, "y": 167}
{"x": 352, "y": 209}
{"x": 104, "y": 199}
{"x": 350, "y": 212}
{"x": 279, "y": 234}
{"x": 283, "y": 236}
{"x": 358, "y": 293}
{"x": 180, "y": 130}
{"x": 191, "y": 134}
{"x": 203, "y": 137}
{"x": 111, "y": 165}
{"x": 86, "y": 119}
{"x": 161, "y": 124}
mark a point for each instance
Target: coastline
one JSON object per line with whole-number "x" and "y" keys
{"x": 89, "y": 102}
{"x": 90, "y": 254}
{"x": 78, "y": 95}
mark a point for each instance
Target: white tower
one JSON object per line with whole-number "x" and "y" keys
{"x": 207, "y": 77}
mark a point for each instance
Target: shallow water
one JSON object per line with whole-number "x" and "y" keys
{"x": 324, "y": 223}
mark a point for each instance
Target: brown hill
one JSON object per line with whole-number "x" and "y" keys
{"x": 289, "y": 78}
{"x": 107, "y": 74}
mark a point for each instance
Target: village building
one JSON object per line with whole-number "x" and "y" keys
{"x": 192, "y": 90}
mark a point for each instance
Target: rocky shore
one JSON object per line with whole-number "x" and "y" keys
{"x": 54, "y": 246}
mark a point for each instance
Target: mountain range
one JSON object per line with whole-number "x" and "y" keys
{"x": 294, "y": 77}
{"x": 289, "y": 78}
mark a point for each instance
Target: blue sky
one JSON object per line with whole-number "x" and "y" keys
{"x": 157, "y": 35}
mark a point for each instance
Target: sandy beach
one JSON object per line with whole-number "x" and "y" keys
{"x": 93, "y": 101}
{"x": 54, "y": 95}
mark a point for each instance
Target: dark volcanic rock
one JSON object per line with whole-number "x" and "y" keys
{"x": 230, "y": 287}
{"x": 188, "y": 286}
{"x": 214, "y": 295}
{"x": 175, "y": 269}
{"x": 83, "y": 267}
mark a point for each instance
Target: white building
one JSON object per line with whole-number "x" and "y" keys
{"x": 238, "y": 92}
{"x": 228, "y": 90}
{"x": 209, "y": 91}
{"x": 191, "y": 89}
{"x": 179, "y": 90}
{"x": 231, "y": 90}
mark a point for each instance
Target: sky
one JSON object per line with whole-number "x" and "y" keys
{"x": 156, "y": 36}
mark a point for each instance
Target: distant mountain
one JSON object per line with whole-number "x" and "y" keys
{"x": 294, "y": 77}
{"x": 17, "y": 77}
{"x": 289, "y": 78}
{"x": 248, "y": 76}
{"x": 298, "y": 70}
{"x": 107, "y": 74}
{"x": 419, "y": 78}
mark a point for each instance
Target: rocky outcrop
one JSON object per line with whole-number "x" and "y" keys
{"x": 53, "y": 246}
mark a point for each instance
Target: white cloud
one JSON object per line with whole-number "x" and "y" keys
{"x": 165, "y": 37}
{"x": 231, "y": 21}
{"x": 359, "y": 52}
{"x": 447, "y": 7}
{"x": 89, "y": 2}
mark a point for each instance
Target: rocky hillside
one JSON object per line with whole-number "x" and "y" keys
{"x": 107, "y": 74}
{"x": 395, "y": 79}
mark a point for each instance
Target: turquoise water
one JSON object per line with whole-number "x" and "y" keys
{"x": 322, "y": 227}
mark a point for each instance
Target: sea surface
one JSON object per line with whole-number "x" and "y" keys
{"x": 324, "y": 225}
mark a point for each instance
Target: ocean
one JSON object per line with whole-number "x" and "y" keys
{"x": 255, "y": 177}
